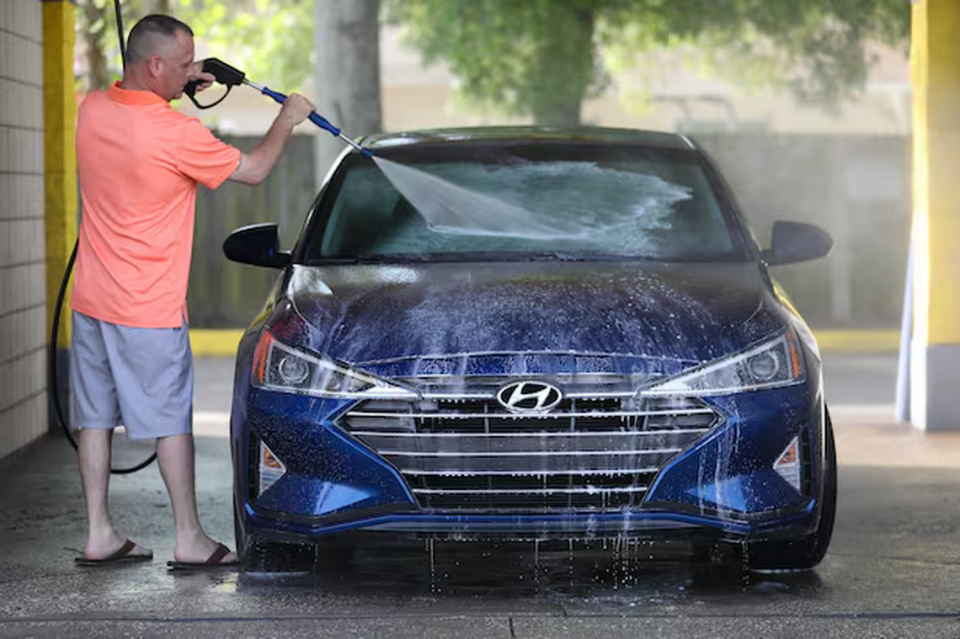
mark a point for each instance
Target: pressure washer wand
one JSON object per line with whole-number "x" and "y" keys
{"x": 315, "y": 117}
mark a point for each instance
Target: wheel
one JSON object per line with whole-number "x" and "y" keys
{"x": 267, "y": 556}
{"x": 240, "y": 539}
{"x": 803, "y": 554}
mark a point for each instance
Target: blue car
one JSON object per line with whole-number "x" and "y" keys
{"x": 531, "y": 333}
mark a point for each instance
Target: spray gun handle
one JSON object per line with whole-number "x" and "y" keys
{"x": 315, "y": 117}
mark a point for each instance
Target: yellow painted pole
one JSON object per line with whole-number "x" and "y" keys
{"x": 60, "y": 164}
{"x": 60, "y": 159}
{"x": 935, "y": 353}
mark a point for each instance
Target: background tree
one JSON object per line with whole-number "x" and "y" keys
{"x": 347, "y": 72}
{"x": 96, "y": 32}
{"x": 271, "y": 40}
{"x": 542, "y": 58}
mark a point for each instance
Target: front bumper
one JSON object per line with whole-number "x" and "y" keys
{"x": 722, "y": 487}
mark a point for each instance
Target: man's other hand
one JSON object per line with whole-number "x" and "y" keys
{"x": 257, "y": 165}
{"x": 296, "y": 109}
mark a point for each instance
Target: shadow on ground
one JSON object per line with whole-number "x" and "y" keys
{"x": 663, "y": 571}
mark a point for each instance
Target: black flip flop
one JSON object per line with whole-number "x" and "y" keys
{"x": 119, "y": 557}
{"x": 213, "y": 561}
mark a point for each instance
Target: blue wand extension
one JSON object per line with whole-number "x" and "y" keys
{"x": 315, "y": 117}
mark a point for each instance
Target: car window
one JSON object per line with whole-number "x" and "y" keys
{"x": 518, "y": 202}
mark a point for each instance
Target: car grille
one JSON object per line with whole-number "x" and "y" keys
{"x": 597, "y": 454}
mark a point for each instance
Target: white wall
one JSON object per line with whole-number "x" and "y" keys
{"x": 23, "y": 398}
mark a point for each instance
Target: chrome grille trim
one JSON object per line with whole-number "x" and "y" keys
{"x": 567, "y": 464}
{"x": 595, "y": 452}
{"x": 537, "y": 434}
{"x": 526, "y": 473}
{"x": 534, "y": 491}
{"x": 508, "y": 415}
{"x": 454, "y": 396}
{"x": 536, "y": 453}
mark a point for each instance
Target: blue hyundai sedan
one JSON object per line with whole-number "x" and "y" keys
{"x": 570, "y": 334}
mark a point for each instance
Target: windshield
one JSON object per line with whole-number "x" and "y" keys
{"x": 534, "y": 201}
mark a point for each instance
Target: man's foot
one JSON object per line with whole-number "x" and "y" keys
{"x": 204, "y": 552}
{"x": 127, "y": 552}
{"x": 107, "y": 543}
{"x": 219, "y": 558}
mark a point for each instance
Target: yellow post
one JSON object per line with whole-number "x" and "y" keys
{"x": 60, "y": 162}
{"x": 935, "y": 352}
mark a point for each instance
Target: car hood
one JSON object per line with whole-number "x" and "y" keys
{"x": 373, "y": 313}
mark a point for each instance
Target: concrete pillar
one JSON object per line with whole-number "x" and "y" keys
{"x": 60, "y": 164}
{"x": 23, "y": 382}
{"x": 935, "y": 361}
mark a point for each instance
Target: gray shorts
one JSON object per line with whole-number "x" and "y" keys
{"x": 138, "y": 378}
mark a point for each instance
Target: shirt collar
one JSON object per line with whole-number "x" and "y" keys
{"x": 139, "y": 98}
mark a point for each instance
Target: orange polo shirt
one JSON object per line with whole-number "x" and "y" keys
{"x": 139, "y": 164}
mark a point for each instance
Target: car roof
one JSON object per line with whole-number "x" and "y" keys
{"x": 520, "y": 134}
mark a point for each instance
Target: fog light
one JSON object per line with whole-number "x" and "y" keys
{"x": 271, "y": 468}
{"x": 788, "y": 465}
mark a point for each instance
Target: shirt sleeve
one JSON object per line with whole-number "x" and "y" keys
{"x": 203, "y": 157}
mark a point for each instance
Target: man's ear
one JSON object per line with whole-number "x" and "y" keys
{"x": 155, "y": 66}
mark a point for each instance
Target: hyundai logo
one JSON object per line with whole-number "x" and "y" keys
{"x": 529, "y": 397}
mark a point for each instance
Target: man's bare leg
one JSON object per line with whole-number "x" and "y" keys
{"x": 102, "y": 540}
{"x": 176, "y": 457}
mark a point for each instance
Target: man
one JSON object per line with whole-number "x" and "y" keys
{"x": 139, "y": 165}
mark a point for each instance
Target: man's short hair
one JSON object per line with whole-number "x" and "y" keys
{"x": 142, "y": 41}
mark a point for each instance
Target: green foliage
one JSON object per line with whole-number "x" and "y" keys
{"x": 97, "y": 37}
{"x": 270, "y": 40}
{"x": 536, "y": 56}
{"x": 543, "y": 57}
{"x": 816, "y": 48}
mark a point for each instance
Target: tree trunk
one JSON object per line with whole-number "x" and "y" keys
{"x": 565, "y": 71}
{"x": 347, "y": 72}
{"x": 559, "y": 112}
{"x": 93, "y": 24}
{"x": 159, "y": 6}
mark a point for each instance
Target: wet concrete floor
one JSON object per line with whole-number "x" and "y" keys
{"x": 893, "y": 569}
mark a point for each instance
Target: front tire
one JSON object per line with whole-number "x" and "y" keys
{"x": 803, "y": 554}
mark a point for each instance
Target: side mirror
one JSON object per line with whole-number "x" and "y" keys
{"x": 796, "y": 242}
{"x": 257, "y": 244}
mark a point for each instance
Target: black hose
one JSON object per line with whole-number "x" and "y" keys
{"x": 54, "y": 377}
{"x": 123, "y": 46}
{"x": 54, "y": 381}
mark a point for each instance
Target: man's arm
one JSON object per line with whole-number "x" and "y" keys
{"x": 257, "y": 165}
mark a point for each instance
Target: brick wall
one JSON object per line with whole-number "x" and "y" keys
{"x": 23, "y": 399}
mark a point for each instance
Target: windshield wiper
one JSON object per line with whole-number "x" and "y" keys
{"x": 370, "y": 259}
{"x": 553, "y": 256}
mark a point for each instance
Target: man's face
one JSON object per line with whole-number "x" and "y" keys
{"x": 175, "y": 66}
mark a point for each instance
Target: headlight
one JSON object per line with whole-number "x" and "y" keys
{"x": 771, "y": 364}
{"x": 279, "y": 367}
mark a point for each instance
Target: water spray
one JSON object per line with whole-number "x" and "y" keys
{"x": 445, "y": 206}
